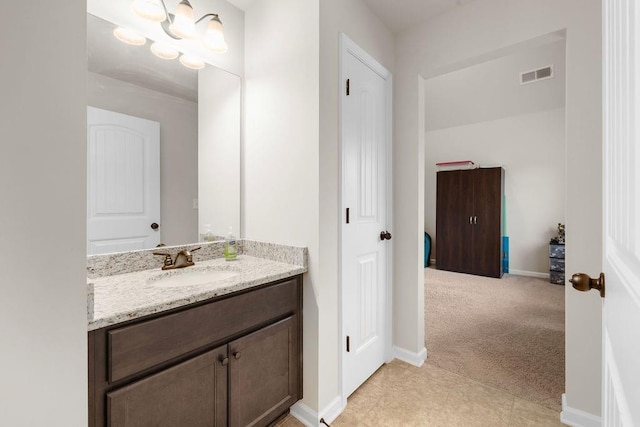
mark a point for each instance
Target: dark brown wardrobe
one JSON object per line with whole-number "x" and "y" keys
{"x": 469, "y": 221}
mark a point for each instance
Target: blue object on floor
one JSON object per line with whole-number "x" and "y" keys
{"x": 427, "y": 250}
{"x": 505, "y": 254}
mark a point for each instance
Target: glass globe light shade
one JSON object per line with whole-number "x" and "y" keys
{"x": 191, "y": 61}
{"x": 183, "y": 25}
{"x": 164, "y": 51}
{"x": 214, "y": 37}
{"x": 129, "y": 36}
{"x": 151, "y": 10}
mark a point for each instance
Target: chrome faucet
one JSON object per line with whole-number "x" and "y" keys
{"x": 183, "y": 259}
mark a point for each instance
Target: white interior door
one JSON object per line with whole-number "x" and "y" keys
{"x": 365, "y": 125}
{"x": 621, "y": 306}
{"x": 123, "y": 182}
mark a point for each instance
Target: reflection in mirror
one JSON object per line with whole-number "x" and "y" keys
{"x": 163, "y": 148}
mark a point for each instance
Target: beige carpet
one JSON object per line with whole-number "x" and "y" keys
{"x": 507, "y": 333}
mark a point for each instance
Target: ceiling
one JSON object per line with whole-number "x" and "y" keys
{"x": 242, "y": 4}
{"x": 397, "y": 15}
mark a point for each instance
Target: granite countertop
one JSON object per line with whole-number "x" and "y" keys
{"x": 128, "y": 296}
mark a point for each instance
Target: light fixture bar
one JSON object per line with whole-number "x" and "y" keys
{"x": 208, "y": 14}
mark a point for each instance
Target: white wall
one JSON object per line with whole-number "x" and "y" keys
{"x": 471, "y": 31}
{"x": 178, "y": 148}
{"x": 484, "y": 114}
{"x": 491, "y": 90}
{"x": 219, "y": 111}
{"x": 43, "y": 295}
{"x": 356, "y": 20}
{"x": 290, "y": 168}
{"x": 280, "y": 159}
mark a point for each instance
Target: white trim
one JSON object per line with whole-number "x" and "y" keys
{"x": 528, "y": 273}
{"x": 304, "y": 414}
{"x": 412, "y": 358}
{"x": 310, "y": 418}
{"x": 332, "y": 410}
{"x": 348, "y": 46}
{"x": 576, "y": 417}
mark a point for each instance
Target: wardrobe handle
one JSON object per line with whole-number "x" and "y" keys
{"x": 470, "y": 220}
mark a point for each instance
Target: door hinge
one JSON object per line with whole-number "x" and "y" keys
{"x": 347, "y": 215}
{"x": 348, "y": 344}
{"x": 348, "y": 87}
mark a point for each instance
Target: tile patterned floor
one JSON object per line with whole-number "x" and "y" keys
{"x": 399, "y": 394}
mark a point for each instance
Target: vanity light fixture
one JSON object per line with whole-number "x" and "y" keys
{"x": 182, "y": 24}
{"x": 164, "y": 51}
{"x": 150, "y": 9}
{"x": 129, "y": 36}
{"x": 191, "y": 61}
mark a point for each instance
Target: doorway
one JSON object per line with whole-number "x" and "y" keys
{"x": 507, "y": 111}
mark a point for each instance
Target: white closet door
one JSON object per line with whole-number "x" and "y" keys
{"x": 123, "y": 182}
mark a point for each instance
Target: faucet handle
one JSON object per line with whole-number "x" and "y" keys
{"x": 168, "y": 262}
{"x": 187, "y": 252}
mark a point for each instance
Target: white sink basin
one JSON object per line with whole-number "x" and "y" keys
{"x": 184, "y": 278}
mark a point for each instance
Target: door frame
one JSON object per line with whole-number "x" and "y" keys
{"x": 349, "y": 47}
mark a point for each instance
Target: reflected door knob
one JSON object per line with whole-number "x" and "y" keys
{"x": 582, "y": 282}
{"x": 154, "y": 226}
{"x": 385, "y": 235}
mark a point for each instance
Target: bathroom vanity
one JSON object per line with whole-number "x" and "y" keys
{"x": 222, "y": 354}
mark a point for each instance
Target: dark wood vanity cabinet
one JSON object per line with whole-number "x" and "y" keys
{"x": 231, "y": 361}
{"x": 263, "y": 374}
{"x": 192, "y": 393}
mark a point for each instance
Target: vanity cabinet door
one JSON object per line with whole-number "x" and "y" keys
{"x": 193, "y": 393}
{"x": 263, "y": 374}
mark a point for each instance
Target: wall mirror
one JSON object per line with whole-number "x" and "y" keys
{"x": 163, "y": 157}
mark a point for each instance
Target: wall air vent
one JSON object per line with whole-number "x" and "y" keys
{"x": 536, "y": 75}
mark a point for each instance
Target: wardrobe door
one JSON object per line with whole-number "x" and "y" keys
{"x": 454, "y": 207}
{"x": 487, "y": 222}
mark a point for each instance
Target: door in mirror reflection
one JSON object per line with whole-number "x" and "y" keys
{"x": 123, "y": 182}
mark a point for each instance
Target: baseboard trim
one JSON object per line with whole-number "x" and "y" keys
{"x": 304, "y": 414}
{"x": 332, "y": 410}
{"x": 412, "y": 358}
{"x": 529, "y": 273}
{"x": 311, "y": 418}
{"x": 577, "y": 418}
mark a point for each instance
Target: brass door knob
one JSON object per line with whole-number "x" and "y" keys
{"x": 582, "y": 282}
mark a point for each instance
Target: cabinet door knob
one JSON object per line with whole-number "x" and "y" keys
{"x": 224, "y": 360}
{"x": 237, "y": 355}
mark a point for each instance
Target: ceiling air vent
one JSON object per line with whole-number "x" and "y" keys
{"x": 536, "y": 75}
